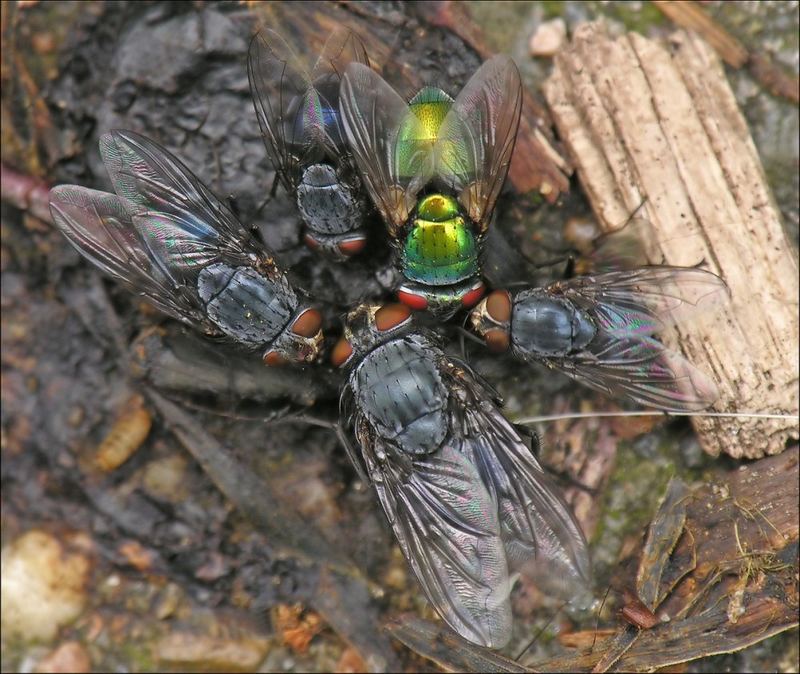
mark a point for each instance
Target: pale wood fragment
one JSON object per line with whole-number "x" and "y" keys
{"x": 641, "y": 119}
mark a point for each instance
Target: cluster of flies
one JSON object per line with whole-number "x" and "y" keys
{"x": 463, "y": 492}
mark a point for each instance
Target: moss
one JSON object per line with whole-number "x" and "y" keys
{"x": 631, "y": 497}
{"x": 635, "y": 16}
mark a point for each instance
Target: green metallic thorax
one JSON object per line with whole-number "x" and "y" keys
{"x": 418, "y": 133}
{"x": 440, "y": 248}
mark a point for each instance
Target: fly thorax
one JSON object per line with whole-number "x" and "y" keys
{"x": 328, "y": 205}
{"x": 400, "y": 389}
{"x": 549, "y": 326}
{"x": 440, "y": 247}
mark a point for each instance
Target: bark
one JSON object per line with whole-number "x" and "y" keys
{"x": 646, "y": 120}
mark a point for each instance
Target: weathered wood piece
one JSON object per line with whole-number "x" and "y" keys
{"x": 644, "y": 120}
{"x": 691, "y": 16}
{"x": 731, "y": 580}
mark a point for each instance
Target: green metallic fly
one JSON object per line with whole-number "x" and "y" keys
{"x": 434, "y": 168}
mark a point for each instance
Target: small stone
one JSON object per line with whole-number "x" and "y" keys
{"x": 548, "y": 38}
{"x": 351, "y": 662}
{"x": 76, "y": 416}
{"x": 44, "y": 585}
{"x": 165, "y": 478}
{"x": 169, "y": 602}
{"x": 212, "y": 653}
{"x": 139, "y": 557}
{"x": 296, "y": 626}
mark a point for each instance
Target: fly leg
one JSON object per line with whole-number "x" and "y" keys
{"x": 561, "y": 476}
{"x": 273, "y": 190}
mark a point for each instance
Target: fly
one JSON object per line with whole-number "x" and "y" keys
{"x": 465, "y": 496}
{"x": 602, "y": 331}
{"x": 166, "y": 237}
{"x": 301, "y": 126}
{"x": 434, "y": 168}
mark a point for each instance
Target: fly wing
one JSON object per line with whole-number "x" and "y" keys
{"x": 446, "y": 523}
{"x": 383, "y": 133}
{"x": 643, "y": 301}
{"x": 286, "y": 105}
{"x": 99, "y": 226}
{"x": 628, "y": 308}
{"x": 476, "y": 139}
{"x": 184, "y": 226}
{"x": 543, "y": 542}
{"x": 342, "y": 48}
{"x": 643, "y": 371}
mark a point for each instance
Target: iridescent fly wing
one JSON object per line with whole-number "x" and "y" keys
{"x": 542, "y": 540}
{"x": 384, "y": 136}
{"x": 446, "y": 523}
{"x": 628, "y": 308}
{"x": 476, "y": 507}
{"x": 184, "y": 226}
{"x": 286, "y": 104}
{"x": 476, "y": 139}
{"x": 342, "y": 48}
{"x": 99, "y": 226}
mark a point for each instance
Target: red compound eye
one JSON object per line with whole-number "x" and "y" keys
{"x": 391, "y": 316}
{"x": 472, "y": 297}
{"x": 416, "y": 302}
{"x": 352, "y": 246}
{"x": 341, "y": 352}
{"x": 497, "y": 340}
{"x": 311, "y": 242}
{"x": 308, "y": 323}
{"x": 274, "y": 359}
{"x": 498, "y": 304}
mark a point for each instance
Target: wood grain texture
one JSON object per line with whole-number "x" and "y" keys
{"x": 641, "y": 119}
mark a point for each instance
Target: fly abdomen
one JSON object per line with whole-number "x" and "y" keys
{"x": 399, "y": 388}
{"x": 246, "y": 306}
{"x": 328, "y": 206}
{"x": 542, "y": 325}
